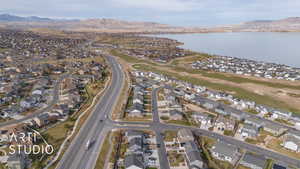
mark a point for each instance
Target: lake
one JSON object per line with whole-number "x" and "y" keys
{"x": 274, "y": 47}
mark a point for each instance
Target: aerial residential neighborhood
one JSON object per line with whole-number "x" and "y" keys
{"x": 128, "y": 84}
{"x": 248, "y": 68}
{"x": 162, "y": 121}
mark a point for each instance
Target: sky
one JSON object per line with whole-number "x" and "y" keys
{"x": 173, "y": 12}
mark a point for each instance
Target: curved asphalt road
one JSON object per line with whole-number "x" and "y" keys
{"x": 77, "y": 156}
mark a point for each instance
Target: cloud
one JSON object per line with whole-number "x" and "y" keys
{"x": 160, "y": 5}
{"x": 176, "y": 12}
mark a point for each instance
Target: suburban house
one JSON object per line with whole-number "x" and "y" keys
{"x": 276, "y": 114}
{"x": 209, "y": 104}
{"x": 225, "y": 152}
{"x": 42, "y": 119}
{"x": 222, "y": 123}
{"x": 255, "y": 121}
{"x": 135, "y": 145}
{"x": 131, "y": 134}
{"x": 16, "y": 161}
{"x": 237, "y": 114}
{"x": 175, "y": 115}
{"x": 189, "y": 96}
{"x": 254, "y": 161}
{"x": 274, "y": 128}
{"x": 137, "y": 107}
{"x": 249, "y": 130}
{"x": 136, "y": 110}
{"x": 291, "y": 142}
{"x": 134, "y": 161}
{"x": 192, "y": 153}
{"x": 221, "y": 110}
{"x": 185, "y": 135}
{"x": 203, "y": 119}
{"x": 134, "y": 158}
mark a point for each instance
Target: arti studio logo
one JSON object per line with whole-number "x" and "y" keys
{"x": 25, "y": 142}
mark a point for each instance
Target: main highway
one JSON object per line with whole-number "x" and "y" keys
{"x": 94, "y": 130}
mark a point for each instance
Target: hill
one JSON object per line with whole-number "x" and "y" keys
{"x": 291, "y": 24}
{"x": 95, "y": 25}
{"x": 13, "y": 18}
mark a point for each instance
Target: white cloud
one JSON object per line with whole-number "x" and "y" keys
{"x": 161, "y": 5}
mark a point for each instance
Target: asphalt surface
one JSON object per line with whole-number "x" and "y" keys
{"x": 77, "y": 155}
{"x": 163, "y": 159}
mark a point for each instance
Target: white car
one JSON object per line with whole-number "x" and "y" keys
{"x": 87, "y": 146}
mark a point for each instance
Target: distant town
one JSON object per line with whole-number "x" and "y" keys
{"x": 248, "y": 68}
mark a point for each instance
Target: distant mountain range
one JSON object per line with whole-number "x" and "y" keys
{"x": 13, "y": 18}
{"x": 95, "y": 25}
{"x": 284, "y": 25}
{"x": 291, "y": 24}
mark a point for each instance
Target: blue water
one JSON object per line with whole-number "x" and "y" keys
{"x": 274, "y": 47}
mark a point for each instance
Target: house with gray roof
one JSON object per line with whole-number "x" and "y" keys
{"x": 274, "y": 128}
{"x": 291, "y": 142}
{"x": 203, "y": 119}
{"x": 134, "y": 161}
{"x": 195, "y": 161}
{"x": 135, "y": 145}
{"x": 225, "y": 152}
{"x": 281, "y": 114}
{"x": 136, "y": 110}
{"x": 255, "y": 121}
{"x": 16, "y": 161}
{"x": 248, "y": 130}
{"x": 192, "y": 153}
{"x": 254, "y": 161}
{"x": 185, "y": 135}
{"x": 237, "y": 114}
{"x": 175, "y": 115}
{"x": 221, "y": 110}
{"x": 222, "y": 123}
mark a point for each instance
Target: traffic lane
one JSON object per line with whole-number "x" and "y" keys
{"x": 84, "y": 159}
{"x": 163, "y": 156}
{"x": 162, "y": 153}
{"x": 80, "y": 140}
{"x": 154, "y": 105}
